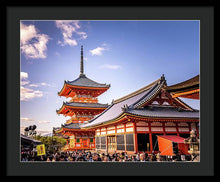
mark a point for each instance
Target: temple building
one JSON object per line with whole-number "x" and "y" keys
{"x": 82, "y": 106}
{"x": 132, "y": 123}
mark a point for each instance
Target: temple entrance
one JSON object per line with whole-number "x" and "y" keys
{"x": 111, "y": 143}
{"x": 143, "y": 142}
{"x": 184, "y": 135}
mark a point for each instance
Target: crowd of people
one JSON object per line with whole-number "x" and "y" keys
{"x": 100, "y": 157}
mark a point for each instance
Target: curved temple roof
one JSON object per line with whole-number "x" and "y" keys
{"x": 165, "y": 112}
{"x": 130, "y": 103}
{"x": 71, "y": 126}
{"x": 83, "y": 105}
{"x": 83, "y": 81}
{"x": 188, "y": 84}
{"x": 186, "y": 89}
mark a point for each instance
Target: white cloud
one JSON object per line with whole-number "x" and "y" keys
{"x": 23, "y": 78}
{"x": 24, "y": 75}
{"x": 27, "y": 94}
{"x": 45, "y": 84}
{"x": 26, "y": 119}
{"x": 109, "y": 66}
{"x": 44, "y": 122}
{"x": 39, "y": 84}
{"x": 27, "y": 33}
{"x": 33, "y": 85}
{"x": 97, "y": 51}
{"x": 69, "y": 29}
{"x": 33, "y": 44}
{"x": 83, "y": 35}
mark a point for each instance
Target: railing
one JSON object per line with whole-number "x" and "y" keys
{"x": 84, "y": 99}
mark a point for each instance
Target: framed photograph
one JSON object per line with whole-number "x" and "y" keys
{"x": 110, "y": 90}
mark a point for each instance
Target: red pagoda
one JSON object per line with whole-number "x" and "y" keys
{"x": 82, "y": 106}
{"x": 147, "y": 120}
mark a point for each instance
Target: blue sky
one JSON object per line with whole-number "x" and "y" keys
{"x": 126, "y": 54}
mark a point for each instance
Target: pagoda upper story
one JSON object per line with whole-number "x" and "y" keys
{"x": 83, "y": 89}
{"x": 83, "y": 92}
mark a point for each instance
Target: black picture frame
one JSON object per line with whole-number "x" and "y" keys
{"x": 15, "y": 12}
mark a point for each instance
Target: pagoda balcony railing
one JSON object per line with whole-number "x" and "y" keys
{"x": 84, "y": 99}
{"x": 84, "y": 116}
{"x": 80, "y": 118}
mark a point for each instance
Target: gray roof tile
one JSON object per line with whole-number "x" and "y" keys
{"x": 83, "y": 81}
{"x": 71, "y": 126}
{"x": 82, "y": 104}
{"x": 164, "y": 111}
{"x": 133, "y": 100}
{"x": 115, "y": 110}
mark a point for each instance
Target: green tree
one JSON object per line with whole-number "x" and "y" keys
{"x": 52, "y": 143}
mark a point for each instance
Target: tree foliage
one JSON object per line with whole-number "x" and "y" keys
{"x": 52, "y": 143}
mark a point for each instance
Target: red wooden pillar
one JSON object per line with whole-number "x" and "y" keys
{"x": 189, "y": 124}
{"x": 150, "y": 137}
{"x": 106, "y": 140}
{"x": 67, "y": 141}
{"x": 135, "y": 138}
{"x": 177, "y": 129}
{"x": 163, "y": 125}
{"x": 75, "y": 140}
{"x": 125, "y": 136}
{"x": 115, "y": 138}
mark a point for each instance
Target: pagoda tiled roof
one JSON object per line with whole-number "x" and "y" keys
{"x": 71, "y": 126}
{"x": 85, "y": 104}
{"x": 129, "y": 104}
{"x": 84, "y": 81}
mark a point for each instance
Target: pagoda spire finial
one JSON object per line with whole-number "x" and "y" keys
{"x": 81, "y": 63}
